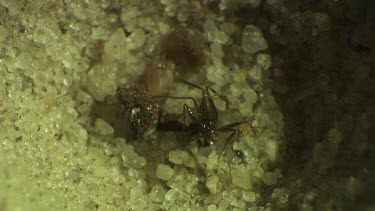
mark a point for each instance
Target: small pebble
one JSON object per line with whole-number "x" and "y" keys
{"x": 211, "y": 184}
{"x": 164, "y": 172}
{"x": 253, "y": 40}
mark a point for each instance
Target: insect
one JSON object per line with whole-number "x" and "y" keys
{"x": 203, "y": 125}
{"x": 143, "y": 111}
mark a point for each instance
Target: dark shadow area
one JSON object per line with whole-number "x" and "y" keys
{"x": 328, "y": 67}
{"x": 114, "y": 114}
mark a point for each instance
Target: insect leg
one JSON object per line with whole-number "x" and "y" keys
{"x": 232, "y": 127}
{"x": 178, "y": 98}
{"x": 205, "y": 92}
{"x": 235, "y": 132}
{"x": 217, "y": 94}
{"x": 190, "y": 84}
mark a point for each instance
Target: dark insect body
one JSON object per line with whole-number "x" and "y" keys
{"x": 200, "y": 123}
{"x": 203, "y": 125}
{"x": 143, "y": 112}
